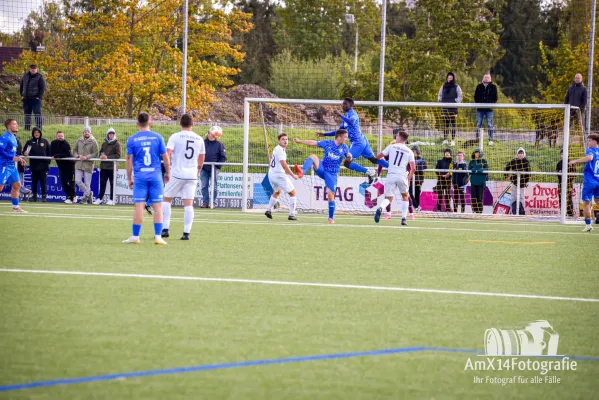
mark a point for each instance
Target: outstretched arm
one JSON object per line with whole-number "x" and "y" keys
{"x": 306, "y": 142}
{"x": 581, "y": 160}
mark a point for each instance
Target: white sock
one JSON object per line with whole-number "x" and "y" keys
{"x": 271, "y": 203}
{"x": 385, "y": 203}
{"x": 188, "y": 219}
{"x": 157, "y": 237}
{"x": 292, "y": 205}
{"x": 166, "y": 215}
{"x": 404, "y": 209}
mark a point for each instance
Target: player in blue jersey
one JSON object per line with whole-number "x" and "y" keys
{"x": 328, "y": 169}
{"x": 359, "y": 144}
{"x": 590, "y": 183}
{"x": 145, "y": 150}
{"x": 9, "y": 174}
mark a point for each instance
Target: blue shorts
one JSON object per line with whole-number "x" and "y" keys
{"x": 143, "y": 190}
{"x": 330, "y": 178}
{"x": 9, "y": 175}
{"x": 361, "y": 150}
{"x": 590, "y": 190}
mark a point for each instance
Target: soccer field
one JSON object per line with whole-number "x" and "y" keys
{"x": 257, "y": 309}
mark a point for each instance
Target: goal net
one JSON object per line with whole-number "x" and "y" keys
{"x": 449, "y": 148}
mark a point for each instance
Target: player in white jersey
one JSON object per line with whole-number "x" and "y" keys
{"x": 186, "y": 150}
{"x": 278, "y": 172}
{"x": 398, "y": 177}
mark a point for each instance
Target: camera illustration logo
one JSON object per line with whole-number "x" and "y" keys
{"x": 536, "y": 339}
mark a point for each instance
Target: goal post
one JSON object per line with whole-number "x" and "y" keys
{"x": 541, "y": 130}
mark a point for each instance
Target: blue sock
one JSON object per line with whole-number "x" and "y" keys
{"x": 136, "y": 230}
{"x": 157, "y": 228}
{"x": 307, "y": 165}
{"x": 358, "y": 167}
{"x": 15, "y": 202}
{"x": 383, "y": 163}
{"x": 148, "y": 203}
{"x": 587, "y": 221}
{"x": 331, "y": 209}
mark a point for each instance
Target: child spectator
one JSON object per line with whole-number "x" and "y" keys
{"x": 478, "y": 180}
{"x": 416, "y": 183}
{"x": 459, "y": 181}
{"x": 520, "y": 163}
{"x": 443, "y": 187}
{"x": 569, "y": 185}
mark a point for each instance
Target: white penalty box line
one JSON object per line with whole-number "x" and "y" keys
{"x": 304, "y": 284}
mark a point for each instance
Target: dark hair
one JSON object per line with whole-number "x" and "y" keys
{"x": 8, "y": 122}
{"x": 282, "y": 135}
{"x": 349, "y": 100}
{"x": 403, "y": 134}
{"x": 340, "y": 132}
{"x": 186, "y": 121}
{"x": 594, "y": 136}
{"x": 143, "y": 119}
{"x": 59, "y": 132}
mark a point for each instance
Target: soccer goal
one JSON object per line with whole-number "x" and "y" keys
{"x": 462, "y": 171}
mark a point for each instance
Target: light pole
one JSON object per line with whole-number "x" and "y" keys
{"x": 349, "y": 19}
{"x": 591, "y": 60}
{"x": 382, "y": 74}
{"x": 184, "y": 66}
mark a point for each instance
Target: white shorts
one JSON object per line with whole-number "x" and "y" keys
{"x": 183, "y": 188}
{"x": 396, "y": 183}
{"x": 281, "y": 182}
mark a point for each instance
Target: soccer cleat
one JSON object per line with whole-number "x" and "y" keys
{"x": 331, "y": 221}
{"x": 44, "y": 199}
{"x": 159, "y": 241}
{"x": 372, "y": 177}
{"x": 588, "y": 228}
{"x": 292, "y": 218}
{"x": 149, "y": 209}
{"x": 32, "y": 199}
{"x": 97, "y": 202}
{"x": 377, "y": 215}
{"x": 268, "y": 214}
{"x": 90, "y": 198}
{"x": 133, "y": 240}
{"x": 490, "y": 143}
{"x": 418, "y": 209}
{"x": 388, "y": 216}
{"x": 404, "y": 222}
{"x": 75, "y": 200}
{"x": 411, "y": 217}
{"x": 165, "y": 233}
{"x": 109, "y": 203}
{"x": 185, "y": 236}
{"x": 68, "y": 201}
{"x": 19, "y": 210}
{"x": 298, "y": 171}
{"x": 453, "y": 142}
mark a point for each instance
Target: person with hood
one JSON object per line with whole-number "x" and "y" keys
{"x": 38, "y": 146}
{"x": 32, "y": 89}
{"x": 486, "y": 92}
{"x": 24, "y": 192}
{"x": 111, "y": 150}
{"x": 443, "y": 187}
{"x": 60, "y": 148}
{"x": 520, "y": 163}
{"x": 85, "y": 148}
{"x": 459, "y": 180}
{"x": 577, "y": 96}
{"x": 450, "y": 92}
{"x": 478, "y": 180}
{"x": 416, "y": 183}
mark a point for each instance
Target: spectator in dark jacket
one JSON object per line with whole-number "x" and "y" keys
{"x": 459, "y": 180}
{"x": 577, "y": 96}
{"x": 443, "y": 188}
{"x": 416, "y": 183}
{"x": 520, "y": 163}
{"x": 215, "y": 152}
{"x": 569, "y": 185}
{"x": 60, "y": 148}
{"x": 486, "y": 92}
{"x": 32, "y": 89}
{"x": 478, "y": 180}
{"x": 450, "y": 92}
{"x": 38, "y": 146}
{"x": 111, "y": 150}
{"x": 24, "y": 192}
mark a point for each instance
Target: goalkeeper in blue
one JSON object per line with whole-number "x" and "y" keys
{"x": 359, "y": 144}
{"x": 9, "y": 174}
{"x": 590, "y": 182}
{"x": 145, "y": 150}
{"x": 328, "y": 169}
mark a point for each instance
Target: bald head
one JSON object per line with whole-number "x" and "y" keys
{"x": 487, "y": 78}
{"x": 578, "y": 78}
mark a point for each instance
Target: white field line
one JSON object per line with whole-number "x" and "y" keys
{"x": 201, "y": 220}
{"x": 177, "y": 210}
{"x": 309, "y": 284}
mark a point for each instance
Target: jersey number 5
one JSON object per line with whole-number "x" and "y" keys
{"x": 147, "y": 156}
{"x": 189, "y": 148}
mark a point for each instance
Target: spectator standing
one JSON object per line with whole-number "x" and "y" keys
{"x": 478, "y": 180}
{"x": 486, "y": 92}
{"x": 459, "y": 180}
{"x": 85, "y": 148}
{"x": 577, "y": 96}
{"x": 520, "y": 163}
{"x": 450, "y": 92}
{"x": 569, "y": 185}
{"x": 443, "y": 187}
{"x": 111, "y": 150}
{"x": 32, "y": 89}
{"x": 39, "y": 147}
{"x": 416, "y": 183}
{"x": 23, "y": 191}
{"x": 60, "y": 148}
{"x": 215, "y": 152}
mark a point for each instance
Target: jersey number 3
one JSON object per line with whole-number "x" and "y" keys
{"x": 147, "y": 156}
